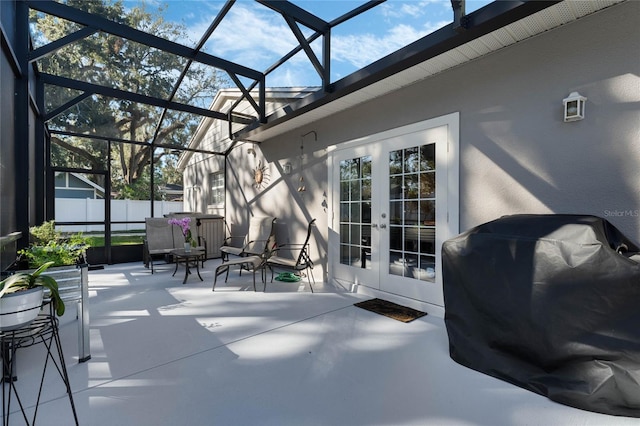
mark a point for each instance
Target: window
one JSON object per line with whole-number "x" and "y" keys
{"x": 216, "y": 186}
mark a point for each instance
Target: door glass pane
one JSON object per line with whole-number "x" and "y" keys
{"x": 366, "y": 212}
{"x": 428, "y": 212}
{"x": 355, "y": 212}
{"x": 366, "y": 189}
{"x": 344, "y": 234}
{"x": 428, "y": 185}
{"x": 395, "y": 239}
{"x": 395, "y": 162}
{"x": 411, "y": 186}
{"x": 395, "y": 212}
{"x": 411, "y": 160}
{"x": 366, "y": 168}
{"x": 355, "y": 190}
{"x": 344, "y": 212}
{"x": 344, "y": 190}
{"x": 428, "y": 157}
{"x": 412, "y": 212}
{"x": 395, "y": 187}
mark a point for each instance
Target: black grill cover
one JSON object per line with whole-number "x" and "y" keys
{"x": 547, "y": 303}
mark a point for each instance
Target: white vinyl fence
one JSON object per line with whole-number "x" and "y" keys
{"x": 90, "y": 210}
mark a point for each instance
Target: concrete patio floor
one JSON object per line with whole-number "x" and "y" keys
{"x": 164, "y": 353}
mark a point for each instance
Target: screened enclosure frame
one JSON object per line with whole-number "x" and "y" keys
{"x": 23, "y": 59}
{"x": 465, "y": 27}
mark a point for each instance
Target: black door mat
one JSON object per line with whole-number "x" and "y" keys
{"x": 391, "y": 310}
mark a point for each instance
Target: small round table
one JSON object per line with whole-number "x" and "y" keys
{"x": 189, "y": 258}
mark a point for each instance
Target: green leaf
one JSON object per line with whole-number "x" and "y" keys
{"x": 24, "y": 280}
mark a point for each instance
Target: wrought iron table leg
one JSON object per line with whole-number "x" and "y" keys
{"x": 186, "y": 270}
{"x": 176, "y": 259}
{"x": 198, "y": 270}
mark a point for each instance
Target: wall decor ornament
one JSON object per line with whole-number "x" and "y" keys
{"x": 260, "y": 171}
{"x": 260, "y": 175}
{"x": 301, "y": 185}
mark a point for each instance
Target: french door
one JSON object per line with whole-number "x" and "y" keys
{"x": 394, "y": 201}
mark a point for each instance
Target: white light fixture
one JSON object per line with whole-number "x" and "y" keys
{"x": 574, "y": 107}
{"x": 286, "y": 168}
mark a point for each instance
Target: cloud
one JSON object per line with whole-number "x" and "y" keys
{"x": 291, "y": 76}
{"x": 257, "y": 37}
{"x": 248, "y": 35}
{"x": 395, "y": 10}
{"x": 363, "y": 49}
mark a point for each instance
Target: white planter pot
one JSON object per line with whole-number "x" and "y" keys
{"x": 73, "y": 285}
{"x": 20, "y": 308}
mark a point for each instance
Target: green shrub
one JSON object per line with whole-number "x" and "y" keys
{"x": 44, "y": 233}
{"x": 49, "y": 245}
{"x": 58, "y": 253}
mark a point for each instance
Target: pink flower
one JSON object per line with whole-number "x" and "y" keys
{"x": 184, "y": 224}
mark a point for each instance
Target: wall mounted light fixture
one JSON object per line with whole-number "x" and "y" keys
{"x": 286, "y": 168}
{"x": 574, "y": 107}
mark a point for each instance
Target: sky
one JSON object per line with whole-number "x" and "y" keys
{"x": 255, "y": 36}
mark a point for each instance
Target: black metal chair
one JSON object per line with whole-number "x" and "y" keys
{"x": 248, "y": 263}
{"x": 299, "y": 262}
{"x": 253, "y": 243}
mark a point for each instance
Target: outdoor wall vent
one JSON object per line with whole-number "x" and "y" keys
{"x": 574, "y": 107}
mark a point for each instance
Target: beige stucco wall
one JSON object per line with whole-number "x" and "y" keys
{"x": 517, "y": 154}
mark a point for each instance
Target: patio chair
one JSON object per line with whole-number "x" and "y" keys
{"x": 255, "y": 242}
{"x": 299, "y": 260}
{"x": 248, "y": 263}
{"x": 158, "y": 241}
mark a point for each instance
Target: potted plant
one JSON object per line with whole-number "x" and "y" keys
{"x": 185, "y": 227}
{"x": 48, "y": 245}
{"x": 21, "y": 297}
{"x": 65, "y": 257}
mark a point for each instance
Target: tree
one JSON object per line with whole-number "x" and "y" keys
{"x": 115, "y": 62}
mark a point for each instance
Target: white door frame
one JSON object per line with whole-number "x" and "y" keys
{"x": 449, "y": 229}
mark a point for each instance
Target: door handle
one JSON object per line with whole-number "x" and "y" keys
{"x": 383, "y": 226}
{"x": 374, "y": 225}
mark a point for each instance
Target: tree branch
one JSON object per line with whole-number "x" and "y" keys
{"x": 95, "y": 163}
